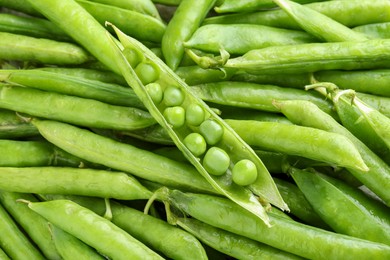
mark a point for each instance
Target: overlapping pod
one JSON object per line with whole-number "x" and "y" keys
{"x": 185, "y": 116}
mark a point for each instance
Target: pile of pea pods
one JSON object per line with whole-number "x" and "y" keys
{"x": 194, "y": 129}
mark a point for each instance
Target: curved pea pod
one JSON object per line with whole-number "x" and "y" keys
{"x": 33, "y": 224}
{"x": 375, "y": 30}
{"x": 285, "y": 234}
{"x": 70, "y": 247}
{"x": 26, "y": 48}
{"x": 13, "y": 126}
{"x": 241, "y": 38}
{"x": 197, "y": 120}
{"x": 72, "y": 109}
{"x": 231, "y": 244}
{"x": 307, "y": 142}
{"x": 255, "y": 96}
{"x": 121, "y": 17}
{"x": 377, "y": 178}
{"x": 63, "y": 180}
{"x": 342, "y": 206}
{"x": 13, "y": 241}
{"x": 319, "y": 25}
{"x": 194, "y": 75}
{"x": 93, "y": 229}
{"x": 382, "y": 104}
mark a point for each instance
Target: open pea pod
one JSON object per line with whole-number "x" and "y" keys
{"x": 203, "y": 137}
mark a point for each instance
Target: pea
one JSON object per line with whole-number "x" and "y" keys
{"x": 244, "y": 172}
{"x": 175, "y": 116}
{"x": 216, "y": 161}
{"x": 132, "y": 56}
{"x": 146, "y": 72}
{"x": 195, "y": 114}
{"x": 173, "y": 96}
{"x": 155, "y": 92}
{"x": 195, "y": 143}
{"x": 212, "y": 131}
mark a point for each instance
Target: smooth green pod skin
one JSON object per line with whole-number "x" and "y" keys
{"x": 123, "y": 157}
{"x": 241, "y": 38}
{"x": 375, "y": 30}
{"x": 379, "y": 123}
{"x": 319, "y": 25}
{"x": 342, "y": 206}
{"x": 141, "y": 6}
{"x": 230, "y": 142}
{"x": 71, "y": 85}
{"x": 377, "y": 178}
{"x": 64, "y": 180}
{"x": 194, "y": 75}
{"x": 231, "y": 244}
{"x": 185, "y": 21}
{"x": 370, "y": 11}
{"x": 87, "y": 73}
{"x": 382, "y": 104}
{"x": 31, "y": 26}
{"x": 20, "y": 5}
{"x": 307, "y": 142}
{"x": 93, "y": 229}
{"x": 288, "y": 235}
{"x": 13, "y": 126}
{"x": 366, "y": 81}
{"x": 36, "y": 153}
{"x": 72, "y": 109}
{"x": 154, "y": 134}
{"x": 120, "y": 17}
{"x": 3, "y": 255}
{"x": 70, "y": 247}
{"x": 33, "y": 224}
{"x": 299, "y": 205}
{"x": 13, "y": 241}
{"x": 255, "y": 96}
{"x": 233, "y": 6}
{"x": 80, "y": 25}
{"x": 26, "y": 48}
{"x": 370, "y": 54}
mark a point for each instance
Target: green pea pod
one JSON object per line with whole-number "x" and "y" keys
{"x": 13, "y": 241}
{"x": 13, "y": 126}
{"x": 185, "y": 21}
{"x": 62, "y": 180}
{"x": 307, "y": 142}
{"x": 370, "y": 11}
{"x": 375, "y": 30}
{"x": 75, "y": 86}
{"x": 120, "y": 17}
{"x": 31, "y": 26}
{"x": 342, "y": 206}
{"x": 26, "y": 48}
{"x": 233, "y": 6}
{"x": 69, "y": 247}
{"x": 285, "y": 234}
{"x": 194, "y": 75}
{"x": 382, "y": 104}
{"x": 255, "y": 96}
{"x": 33, "y": 224}
{"x": 305, "y": 113}
{"x": 241, "y": 38}
{"x": 379, "y": 122}
{"x": 72, "y": 109}
{"x": 123, "y": 157}
{"x": 319, "y": 25}
{"x": 231, "y": 244}
{"x": 224, "y": 143}
{"x": 92, "y": 229}
{"x": 3, "y": 255}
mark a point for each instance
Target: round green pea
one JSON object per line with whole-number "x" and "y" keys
{"x": 175, "y": 116}
{"x": 173, "y": 96}
{"x": 132, "y": 56}
{"x": 147, "y": 73}
{"x": 244, "y": 172}
{"x": 194, "y": 114}
{"x": 216, "y": 161}
{"x": 155, "y": 92}
{"x": 212, "y": 131}
{"x": 195, "y": 143}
